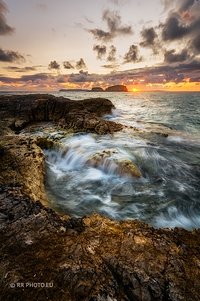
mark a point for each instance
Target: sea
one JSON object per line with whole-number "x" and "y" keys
{"x": 162, "y": 139}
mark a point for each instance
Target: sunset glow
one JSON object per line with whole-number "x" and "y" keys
{"x": 79, "y": 45}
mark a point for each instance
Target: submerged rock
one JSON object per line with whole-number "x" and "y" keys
{"x": 108, "y": 160}
{"x": 127, "y": 167}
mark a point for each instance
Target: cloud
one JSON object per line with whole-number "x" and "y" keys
{"x": 10, "y": 56}
{"x": 195, "y": 44}
{"x": 81, "y": 64}
{"x": 54, "y": 65}
{"x": 83, "y": 77}
{"x": 68, "y": 65}
{"x": 20, "y": 69}
{"x": 171, "y": 56}
{"x": 114, "y": 25}
{"x": 132, "y": 56}
{"x": 4, "y": 27}
{"x": 149, "y": 36}
{"x": 163, "y": 74}
{"x": 112, "y": 54}
{"x": 113, "y": 20}
{"x": 173, "y": 29}
{"x": 167, "y": 4}
{"x": 119, "y": 2}
{"x": 183, "y": 23}
{"x": 100, "y": 50}
{"x": 111, "y": 66}
{"x": 186, "y": 4}
{"x": 101, "y": 35}
{"x": 88, "y": 20}
{"x": 27, "y": 78}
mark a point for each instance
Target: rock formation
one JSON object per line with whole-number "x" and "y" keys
{"x": 47, "y": 256}
{"x": 97, "y": 89}
{"x": 107, "y": 160}
{"x": 117, "y": 88}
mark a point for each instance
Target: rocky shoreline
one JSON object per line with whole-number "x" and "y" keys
{"x": 92, "y": 258}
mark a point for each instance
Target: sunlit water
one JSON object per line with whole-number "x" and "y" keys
{"x": 167, "y": 194}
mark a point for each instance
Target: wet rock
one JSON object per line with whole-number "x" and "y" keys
{"x": 108, "y": 159}
{"x": 127, "y": 167}
{"x": 22, "y": 163}
{"x": 92, "y": 258}
{"x": 19, "y": 111}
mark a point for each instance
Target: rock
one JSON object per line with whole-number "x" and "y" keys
{"x": 19, "y": 111}
{"x": 97, "y": 89}
{"x": 92, "y": 258}
{"x": 127, "y": 167}
{"x": 117, "y": 88}
{"x": 22, "y": 163}
{"x": 108, "y": 159}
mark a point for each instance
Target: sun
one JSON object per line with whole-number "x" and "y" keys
{"x": 135, "y": 90}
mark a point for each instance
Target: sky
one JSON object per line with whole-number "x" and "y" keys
{"x": 55, "y": 44}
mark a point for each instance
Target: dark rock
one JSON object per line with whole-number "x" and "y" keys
{"x": 19, "y": 111}
{"x": 117, "y": 88}
{"x": 97, "y": 89}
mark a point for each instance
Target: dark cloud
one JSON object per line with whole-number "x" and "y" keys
{"x": 100, "y": 51}
{"x": 171, "y": 56}
{"x": 149, "y": 37}
{"x": 177, "y": 73}
{"x": 68, "y": 65}
{"x": 83, "y": 77}
{"x": 132, "y": 56}
{"x": 27, "y": 78}
{"x": 173, "y": 29}
{"x": 81, "y": 64}
{"x": 110, "y": 66}
{"x": 20, "y": 69}
{"x": 4, "y": 27}
{"x": 112, "y": 54}
{"x": 11, "y": 56}
{"x": 186, "y": 4}
{"x": 115, "y": 27}
{"x": 195, "y": 44}
{"x": 54, "y": 65}
{"x": 183, "y": 23}
{"x": 113, "y": 20}
{"x": 101, "y": 35}
{"x": 35, "y": 77}
{"x": 164, "y": 73}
